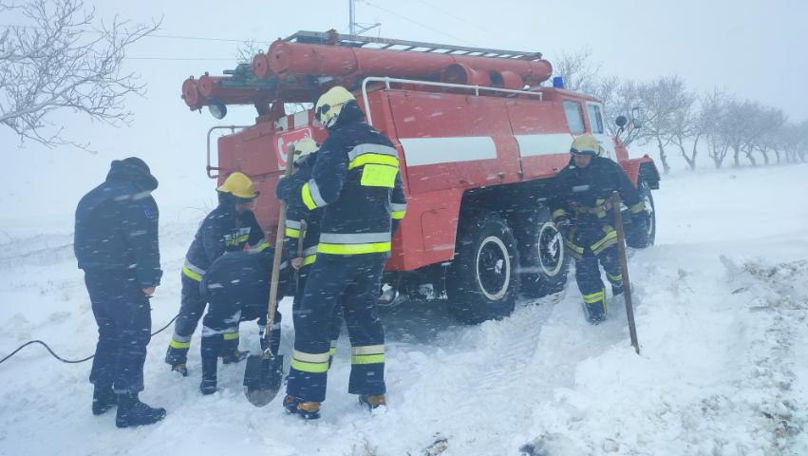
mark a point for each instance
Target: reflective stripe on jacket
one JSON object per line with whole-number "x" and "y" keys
{"x": 356, "y": 181}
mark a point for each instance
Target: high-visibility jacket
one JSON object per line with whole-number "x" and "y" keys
{"x": 296, "y": 211}
{"x": 356, "y": 181}
{"x": 223, "y": 230}
{"x": 583, "y": 195}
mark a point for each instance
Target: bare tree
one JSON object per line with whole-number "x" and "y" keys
{"x": 686, "y": 128}
{"x": 248, "y": 50}
{"x": 61, "y": 59}
{"x": 801, "y": 148}
{"x": 716, "y": 121}
{"x": 619, "y": 97}
{"x": 770, "y": 127}
{"x": 793, "y": 140}
{"x": 661, "y": 100}
{"x": 580, "y": 73}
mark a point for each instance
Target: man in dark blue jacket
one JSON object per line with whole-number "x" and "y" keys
{"x": 356, "y": 181}
{"x": 116, "y": 245}
{"x": 231, "y": 227}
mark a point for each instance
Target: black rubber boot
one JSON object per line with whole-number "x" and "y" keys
{"x": 290, "y": 404}
{"x": 595, "y": 313}
{"x": 176, "y": 355}
{"x": 208, "y": 385}
{"x": 181, "y": 369}
{"x": 103, "y": 399}
{"x": 132, "y": 412}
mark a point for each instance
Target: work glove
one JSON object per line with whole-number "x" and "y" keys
{"x": 562, "y": 224}
{"x": 284, "y": 189}
{"x": 640, "y": 220}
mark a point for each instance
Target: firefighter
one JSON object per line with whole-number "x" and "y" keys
{"x": 356, "y": 182}
{"x": 116, "y": 246}
{"x": 303, "y": 230}
{"x": 582, "y": 211}
{"x": 236, "y": 287}
{"x": 230, "y": 227}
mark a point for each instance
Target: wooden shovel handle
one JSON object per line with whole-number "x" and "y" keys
{"x": 276, "y": 260}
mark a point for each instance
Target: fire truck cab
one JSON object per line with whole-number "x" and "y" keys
{"x": 479, "y": 142}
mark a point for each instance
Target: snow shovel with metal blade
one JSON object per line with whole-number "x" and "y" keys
{"x": 264, "y": 373}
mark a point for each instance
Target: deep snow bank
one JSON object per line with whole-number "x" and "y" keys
{"x": 721, "y": 314}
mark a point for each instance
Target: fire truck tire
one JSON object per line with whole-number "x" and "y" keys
{"x": 481, "y": 282}
{"x": 640, "y": 237}
{"x": 544, "y": 259}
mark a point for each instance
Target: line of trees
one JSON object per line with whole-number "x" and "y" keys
{"x": 678, "y": 120}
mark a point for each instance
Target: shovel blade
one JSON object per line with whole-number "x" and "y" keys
{"x": 262, "y": 379}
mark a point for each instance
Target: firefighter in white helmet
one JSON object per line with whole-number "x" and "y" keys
{"x": 356, "y": 182}
{"x": 230, "y": 227}
{"x": 581, "y": 208}
{"x": 303, "y": 229}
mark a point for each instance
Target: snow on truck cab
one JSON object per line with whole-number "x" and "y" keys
{"x": 479, "y": 142}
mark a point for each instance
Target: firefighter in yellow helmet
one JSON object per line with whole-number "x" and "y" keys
{"x": 581, "y": 208}
{"x": 230, "y": 227}
{"x": 356, "y": 184}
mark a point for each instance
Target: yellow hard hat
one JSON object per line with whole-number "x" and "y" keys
{"x": 330, "y": 104}
{"x": 238, "y": 185}
{"x": 586, "y": 145}
{"x": 303, "y": 148}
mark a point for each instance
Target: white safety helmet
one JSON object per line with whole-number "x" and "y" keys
{"x": 586, "y": 145}
{"x": 303, "y": 148}
{"x": 330, "y": 104}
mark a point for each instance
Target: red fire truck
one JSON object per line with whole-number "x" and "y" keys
{"x": 479, "y": 141}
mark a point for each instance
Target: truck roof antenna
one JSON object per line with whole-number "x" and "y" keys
{"x": 352, "y": 24}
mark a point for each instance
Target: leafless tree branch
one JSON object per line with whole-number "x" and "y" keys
{"x": 63, "y": 59}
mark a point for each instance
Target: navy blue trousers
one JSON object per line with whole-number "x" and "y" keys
{"x": 336, "y": 322}
{"x": 334, "y": 280}
{"x": 192, "y": 305}
{"x": 123, "y": 315}
{"x": 596, "y": 246}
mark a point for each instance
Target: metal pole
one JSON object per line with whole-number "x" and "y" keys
{"x": 352, "y": 18}
{"x": 621, "y": 247}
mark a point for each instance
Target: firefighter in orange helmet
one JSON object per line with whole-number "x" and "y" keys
{"x": 581, "y": 208}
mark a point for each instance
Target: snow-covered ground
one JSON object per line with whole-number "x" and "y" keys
{"x": 721, "y": 305}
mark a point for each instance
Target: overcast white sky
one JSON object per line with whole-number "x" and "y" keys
{"x": 754, "y": 49}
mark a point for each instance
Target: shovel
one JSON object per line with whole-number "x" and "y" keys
{"x": 264, "y": 373}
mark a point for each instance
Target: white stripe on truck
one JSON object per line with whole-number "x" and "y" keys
{"x": 548, "y": 144}
{"x": 431, "y": 151}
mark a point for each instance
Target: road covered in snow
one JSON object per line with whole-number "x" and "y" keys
{"x": 722, "y": 319}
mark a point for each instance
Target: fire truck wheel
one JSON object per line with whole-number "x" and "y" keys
{"x": 544, "y": 260}
{"x": 639, "y": 237}
{"x": 481, "y": 282}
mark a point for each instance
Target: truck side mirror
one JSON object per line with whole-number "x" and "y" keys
{"x": 636, "y": 117}
{"x": 621, "y": 121}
